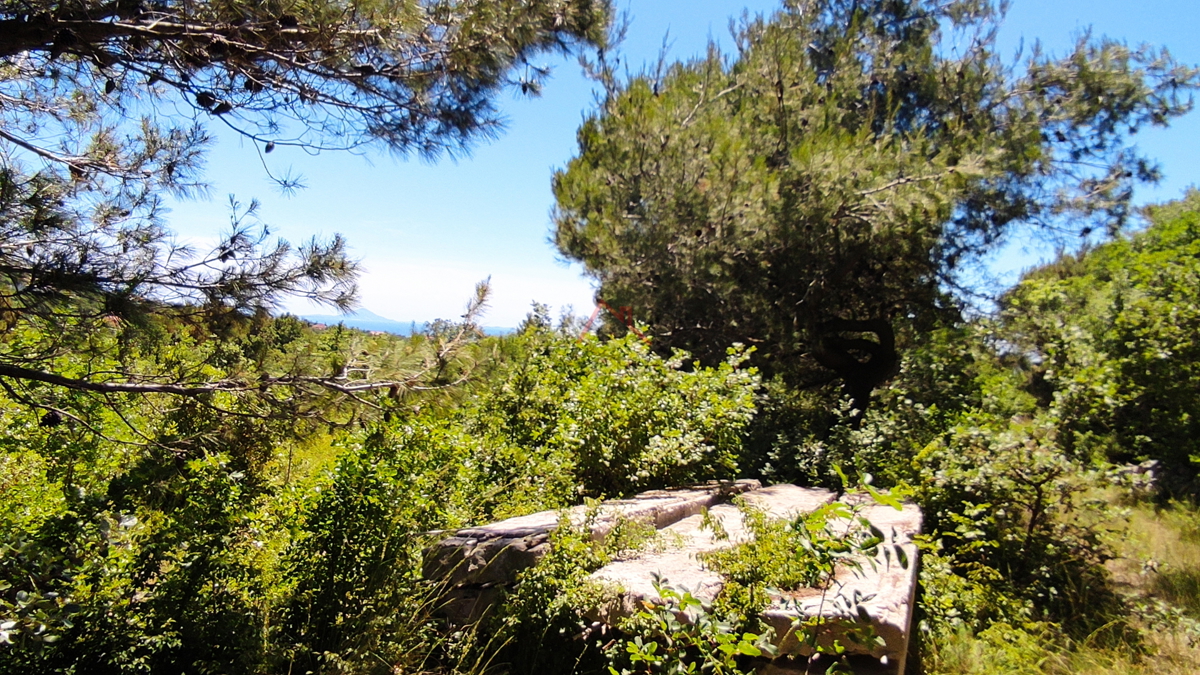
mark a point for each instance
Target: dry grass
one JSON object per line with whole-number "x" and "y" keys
{"x": 1158, "y": 558}
{"x": 1159, "y": 555}
{"x": 969, "y": 655}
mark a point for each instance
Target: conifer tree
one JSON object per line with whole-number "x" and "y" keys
{"x": 825, "y": 183}
{"x": 107, "y": 107}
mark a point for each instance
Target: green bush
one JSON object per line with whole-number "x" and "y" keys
{"x": 1012, "y": 518}
{"x": 568, "y": 417}
{"x": 356, "y": 602}
{"x": 800, "y": 435}
{"x": 1113, "y": 331}
{"x": 683, "y": 636}
{"x": 1012, "y": 529}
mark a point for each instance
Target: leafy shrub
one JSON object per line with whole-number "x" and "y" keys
{"x": 356, "y": 601}
{"x": 540, "y": 620}
{"x": 1114, "y": 332}
{"x": 802, "y": 434}
{"x": 683, "y": 635}
{"x": 1013, "y": 533}
{"x": 803, "y": 552}
{"x": 569, "y": 417}
{"x": 1010, "y": 516}
{"x": 180, "y": 585}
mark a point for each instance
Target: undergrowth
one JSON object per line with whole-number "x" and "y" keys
{"x": 1156, "y": 560}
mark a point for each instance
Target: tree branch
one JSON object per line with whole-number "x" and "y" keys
{"x": 19, "y": 373}
{"x": 333, "y": 384}
{"x": 903, "y": 181}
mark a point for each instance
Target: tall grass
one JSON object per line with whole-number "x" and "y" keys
{"x": 1161, "y": 555}
{"x": 1157, "y": 559}
{"x": 965, "y": 654}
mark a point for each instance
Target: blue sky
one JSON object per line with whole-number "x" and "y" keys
{"x": 426, "y": 233}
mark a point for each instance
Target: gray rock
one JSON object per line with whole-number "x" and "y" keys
{"x": 493, "y": 555}
{"x": 887, "y": 589}
{"x": 477, "y": 563}
{"x": 678, "y": 565}
{"x": 883, "y": 588}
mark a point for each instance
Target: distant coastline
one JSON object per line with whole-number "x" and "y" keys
{"x": 365, "y": 319}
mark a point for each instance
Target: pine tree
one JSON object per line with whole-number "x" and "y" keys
{"x": 824, "y": 184}
{"x": 105, "y": 109}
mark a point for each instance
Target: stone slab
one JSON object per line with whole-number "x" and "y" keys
{"x": 477, "y": 562}
{"x": 886, "y": 587}
{"x": 678, "y": 566}
{"x": 475, "y": 559}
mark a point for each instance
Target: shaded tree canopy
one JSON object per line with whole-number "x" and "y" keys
{"x": 827, "y": 181}
{"x": 105, "y": 110}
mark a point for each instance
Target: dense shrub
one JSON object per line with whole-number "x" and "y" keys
{"x": 355, "y": 599}
{"x": 1112, "y": 334}
{"x": 568, "y": 417}
{"x": 800, "y": 435}
{"x": 1010, "y": 516}
{"x": 244, "y": 544}
{"x": 1013, "y": 528}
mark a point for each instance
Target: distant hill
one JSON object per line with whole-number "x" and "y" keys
{"x": 365, "y": 319}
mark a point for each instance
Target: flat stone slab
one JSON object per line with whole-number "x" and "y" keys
{"x": 476, "y": 560}
{"x": 685, "y": 540}
{"x": 884, "y": 588}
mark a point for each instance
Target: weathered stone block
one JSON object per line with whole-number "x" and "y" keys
{"x": 685, "y": 540}
{"x": 884, "y": 586}
{"x": 887, "y": 586}
{"x": 477, "y": 562}
{"x": 478, "y": 559}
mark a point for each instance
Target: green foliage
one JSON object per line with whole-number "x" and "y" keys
{"x": 106, "y": 114}
{"x": 414, "y": 78}
{"x": 682, "y": 636}
{"x": 1014, "y": 531}
{"x": 233, "y": 541}
{"x": 540, "y": 620}
{"x": 577, "y": 417}
{"x": 1021, "y": 649}
{"x": 142, "y": 585}
{"x": 356, "y": 602}
{"x": 800, "y": 435}
{"x": 216, "y": 565}
{"x": 159, "y": 551}
{"x": 1112, "y": 332}
{"x": 149, "y": 398}
{"x": 801, "y": 553}
{"x": 840, "y": 166}
{"x": 1010, "y": 514}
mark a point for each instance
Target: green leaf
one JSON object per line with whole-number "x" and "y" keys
{"x": 749, "y": 649}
